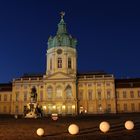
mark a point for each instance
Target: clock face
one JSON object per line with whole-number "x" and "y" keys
{"x": 59, "y": 51}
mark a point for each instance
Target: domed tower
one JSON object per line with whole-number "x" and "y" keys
{"x": 61, "y": 52}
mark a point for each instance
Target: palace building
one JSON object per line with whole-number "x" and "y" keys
{"x": 61, "y": 89}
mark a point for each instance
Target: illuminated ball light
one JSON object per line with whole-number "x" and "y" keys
{"x": 73, "y": 129}
{"x": 129, "y": 125}
{"x": 40, "y": 131}
{"x": 104, "y": 127}
{"x": 54, "y": 117}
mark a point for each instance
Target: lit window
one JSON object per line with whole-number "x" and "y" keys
{"x": 58, "y": 92}
{"x": 69, "y": 63}
{"x": 124, "y": 94}
{"x": 131, "y": 94}
{"x": 59, "y": 62}
{"x": 68, "y": 92}
{"x": 49, "y": 92}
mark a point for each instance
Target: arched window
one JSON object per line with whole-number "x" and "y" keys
{"x": 68, "y": 92}
{"x": 49, "y": 92}
{"x": 59, "y": 62}
{"x": 69, "y": 63}
{"x": 51, "y": 64}
{"x": 58, "y": 92}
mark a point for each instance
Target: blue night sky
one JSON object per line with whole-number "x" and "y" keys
{"x": 108, "y": 34}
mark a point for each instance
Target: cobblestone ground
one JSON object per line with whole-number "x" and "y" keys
{"x": 25, "y": 129}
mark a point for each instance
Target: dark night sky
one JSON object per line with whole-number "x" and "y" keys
{"x": 108, "y": 34}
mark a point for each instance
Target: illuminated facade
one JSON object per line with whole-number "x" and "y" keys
{"x": 64, "y": 91}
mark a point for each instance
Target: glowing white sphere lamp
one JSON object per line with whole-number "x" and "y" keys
{"x": 104, "y": 126}
{"x": 40, "y": 131}
{"x": 73, "y": 129}
{"x": 129, "y": 125}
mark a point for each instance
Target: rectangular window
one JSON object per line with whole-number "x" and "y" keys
{"x": 59, "y": 62}
{"x": 139, "y": 93}
{"x": 16, "y": 109}
{"x": 107, "y": 83}
{"x": 108, "y": 108}
{"x": 131, "y": 94}
{"x": 10, "y": 97}
{"x": 99, "y": 108}
{"x": 118, "y": 107}
{"x": 81, "y": 95}
{"x": 89, "y": 94}
{"x": 118, "y": 95}
{"x": 17, "y": 96}
{"x": 125, "y": 107}
{"x": 4, "y": 109}
{"x": 89, "y": 84}
{"x": 108, "y": 95}
{"x": 69, "y": 63}
{"x": 98, "y": 84}
{"x": 51, "y": 64}
{"x": 41, "y": 95}
{"x": 133, "y": 107}
{"x": 99, "y": 95}
{"x": 5, "y": 97}
{"x": 124, "y": 94}
{"x": 25, "y": 96}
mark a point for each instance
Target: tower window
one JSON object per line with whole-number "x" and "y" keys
{"x": 59, "y": 62}
{"x": 50, "y": 64}
{"x": 69, "y": 63}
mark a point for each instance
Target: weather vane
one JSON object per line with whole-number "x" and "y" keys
{"x": 62, "y": 14}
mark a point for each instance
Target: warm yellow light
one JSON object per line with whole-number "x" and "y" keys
{"x": 54, "y": 107}
{"x": 85, "y": 111}
{"x": 44, "y": 107}
{"x": 73, "y": 129}
{"x": 129, "y": 125}
{"x": 63, "y": 107}
{"x": 104, "y": 127}
{"x": 73, "y": 106}
{"x": 40, "y": 131}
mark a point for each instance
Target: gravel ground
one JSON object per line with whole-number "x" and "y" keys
{"x": 25, "y": 129}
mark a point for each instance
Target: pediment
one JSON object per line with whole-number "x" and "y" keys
{"x": 59, "y": 75}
